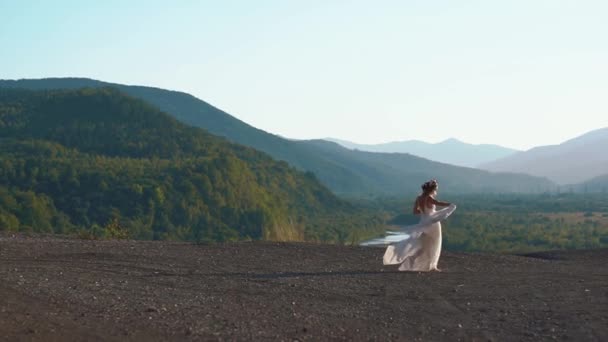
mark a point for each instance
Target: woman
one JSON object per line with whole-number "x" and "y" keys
{"x": 418, "y": 247}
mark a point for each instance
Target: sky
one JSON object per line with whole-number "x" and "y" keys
{"x": 518, "y": 73}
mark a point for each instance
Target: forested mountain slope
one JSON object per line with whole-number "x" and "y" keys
{"x": 346, "y": 172}
{"x": 81, "y": 159}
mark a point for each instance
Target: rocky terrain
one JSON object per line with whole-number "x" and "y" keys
{"x": 60, "y": 289}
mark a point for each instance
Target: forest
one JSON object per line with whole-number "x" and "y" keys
{"x": 345, "y": 172}
{"x": 515, "y": 222}
{"x": 98, "y": 163}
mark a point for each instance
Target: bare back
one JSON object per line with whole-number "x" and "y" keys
{"x": 423, "y": 202}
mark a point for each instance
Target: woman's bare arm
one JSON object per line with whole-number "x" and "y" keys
{"x": 439, "y": 203}
{"x": 416, "y": 209}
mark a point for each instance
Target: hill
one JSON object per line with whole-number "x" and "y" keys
{"x": 573, "y": 161}
{"x": 398, "y": 173}
{"x": 58, "y": 289}
{"x": 104, "y": 163}
{"x": 596, "y": 184}
{"x": 450, "y": 151}
{"x": 344, "y": 171}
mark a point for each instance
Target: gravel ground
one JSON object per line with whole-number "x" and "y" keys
{"x": 54, "y": 289}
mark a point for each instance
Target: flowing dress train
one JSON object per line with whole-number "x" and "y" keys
{"x": 416, "y": 247}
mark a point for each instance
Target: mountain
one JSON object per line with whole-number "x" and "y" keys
{"x": 596, "y": 184}
{"x": 344, "y": 171}
{"x": 573, "y": 161}
{"x": 99, "y": 161}
{"x": 450, "y": 151}
{"x": 405, "y": 172}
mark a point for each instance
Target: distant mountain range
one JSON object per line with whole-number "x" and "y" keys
{"x": 574, "y": 161}
{"x": 597, "y": 184}
{"x": 344, "y": 171}
{"x": 450, "y": 151}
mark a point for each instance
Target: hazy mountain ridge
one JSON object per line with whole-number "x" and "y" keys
{"x": 344, "y": 171}
{"x": 450, "y": 151}
{"x": 596, "y": 184}
{"x": 405, "y": 172}
{"x": 574, "y": 161}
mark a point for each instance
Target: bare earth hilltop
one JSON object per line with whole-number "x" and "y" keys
{"x": 59, "y": 289}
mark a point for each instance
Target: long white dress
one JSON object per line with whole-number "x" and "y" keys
{"x": 416, "y": 247}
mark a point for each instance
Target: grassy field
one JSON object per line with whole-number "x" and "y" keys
{"x": 578, "y": 217}
{"x": 516, "y": 223}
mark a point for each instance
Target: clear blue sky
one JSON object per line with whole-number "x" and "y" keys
{"x": 515, "y": 73}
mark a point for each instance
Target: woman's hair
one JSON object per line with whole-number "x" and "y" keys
{"x": 429, "y": 186}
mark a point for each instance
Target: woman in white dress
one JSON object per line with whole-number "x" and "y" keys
{"x": 418, "y": 247}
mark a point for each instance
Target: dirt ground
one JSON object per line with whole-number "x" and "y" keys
{"x": 54, "y": 289}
